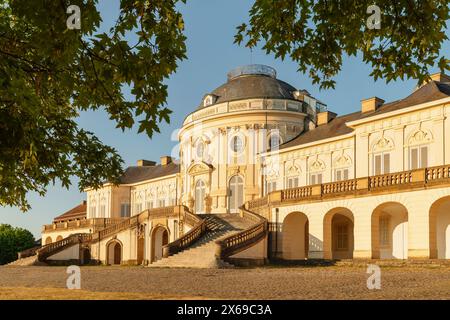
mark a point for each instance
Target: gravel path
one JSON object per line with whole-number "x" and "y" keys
{"x": 336, "y": 282}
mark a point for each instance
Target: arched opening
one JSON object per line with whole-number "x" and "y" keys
{"x": 439, "y": 231}
{"x": 200, "y": 196}
{"x": 236, "y": 196}
{"x": 48, "y": 240}
{"x": 390, "y": 231}
{"x": 295, "y": 241}
{"x": 160, "y": 237}
{"x": 59, "y": 238}
{"x": 338, "y": 240}
{"x": 114, "y": 250}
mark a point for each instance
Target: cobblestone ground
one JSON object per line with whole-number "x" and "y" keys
{"x": 335, "y": 282}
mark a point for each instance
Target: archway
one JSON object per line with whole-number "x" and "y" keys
{"x": 295, "y": 241}
{"x": 200, "y": 196}
{"x": 160, "y": 237}
{"x": 114, "y": 250}
{"x": 58, "y": 238}
{"x": 390, "y": 231}
{"x": 236, "y": 196}
{"x": 439, "y": 229}
{"x": 48, "y": 240}
{"x": 338, "y": 236}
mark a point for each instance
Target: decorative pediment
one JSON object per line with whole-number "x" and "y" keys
{"x": 317, "y": 165}
{"x": 199, "y": 168}
{"x": 342, "y": 161}
{"x": 293, "y": 171}
{"x": 383, "y": 144}
{"x": 420, "y": 137}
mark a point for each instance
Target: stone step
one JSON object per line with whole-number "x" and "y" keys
{"x": 201, "y": 254}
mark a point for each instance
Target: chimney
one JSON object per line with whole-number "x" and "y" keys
{"x": 371, "y": 104}
{"x": 324, "y": 117}
{"x": 440, "y": 77}
{"x": 165, "y": 160}
{"x": 145, "y": 163}
{"x": 84, "y": 202}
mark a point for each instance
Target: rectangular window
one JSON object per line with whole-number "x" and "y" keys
{"x": 271, "y": 186}
{"x": 315, "y": 178}
{"x": 418, "y": 157}
{"x": 92, "y": 212}
{"x": 102, "y": 211}
{"x": 162, "y": 203}
{"x": 292, "y": 182}
{"x": 381, "y": 163}
{"x": 149, "y": 205}
{"x": 341, "y": 174}
{"x": 125, "y": 210}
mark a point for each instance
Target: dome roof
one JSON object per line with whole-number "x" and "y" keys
{"x": 253, "y": 81}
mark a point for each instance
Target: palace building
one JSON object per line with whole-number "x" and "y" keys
{"x": 265, "y": 171}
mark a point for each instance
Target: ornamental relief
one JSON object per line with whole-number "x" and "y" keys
{"x": 420, "y": 136}
{"x": 317, "y": 165}
{"x": 383, "y": 144}
{"x": 292, "y": 171}
{"x": 342, "y": 161}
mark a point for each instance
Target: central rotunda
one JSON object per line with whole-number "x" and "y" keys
{"x": 220, "y": 141}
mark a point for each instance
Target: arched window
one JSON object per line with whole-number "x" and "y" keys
{"x": 236, "y": 190}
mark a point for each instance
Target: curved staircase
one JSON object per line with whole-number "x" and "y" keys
{"x": 203, "y": 252}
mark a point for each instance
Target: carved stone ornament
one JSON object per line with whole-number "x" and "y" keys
{"x": 317, "y": 165}
{"x": 342, "y": 161}
{"x": 420, "y": 137}
{"x": 383, "y": 144}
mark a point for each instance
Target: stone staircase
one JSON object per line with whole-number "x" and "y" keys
{"x": 202, "y": 253}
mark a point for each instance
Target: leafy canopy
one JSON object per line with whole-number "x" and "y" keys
{"x": 318, "y": 33}
{"x": 49, "y": 73}
{"x": 12, "y": 241}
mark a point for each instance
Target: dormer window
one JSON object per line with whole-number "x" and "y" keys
{"x": 209, "y": 100}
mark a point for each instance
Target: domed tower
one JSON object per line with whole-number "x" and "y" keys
{"x": 219, "y": 142}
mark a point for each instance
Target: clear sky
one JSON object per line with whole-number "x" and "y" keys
{"x": 209, "y": 27}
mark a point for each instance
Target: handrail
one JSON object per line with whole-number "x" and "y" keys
{"x": 95, "y": 223}
{"x": 244, "y": 239}
{"x": 198, "y": 230}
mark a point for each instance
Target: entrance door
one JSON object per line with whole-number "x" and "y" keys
{"x": 236, "y": 198}
{"x": 199, "y": 197}
{"x": 117, "y": 253}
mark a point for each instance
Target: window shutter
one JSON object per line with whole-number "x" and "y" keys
{"x": 414, "y": 158}
{"x": 346, "y": 174}
{"x": 424, "y": 157}
{"x": 387, "y": 163}
{"x": 313, "y": 179}
{"x": 377, "y": 164}
{"x": 319, "y": 178}
{"x": 338, "y": 175}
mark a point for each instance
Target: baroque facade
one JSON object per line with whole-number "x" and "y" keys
{"x": 306, "y": 183}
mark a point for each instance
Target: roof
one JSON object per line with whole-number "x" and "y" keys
{"x": 136, "y": 174}
{"x": 78, "y": 212}
{"x": 429, "y": 92}
{"x": 335, "y": 127}
{"x": 253, "y": 86}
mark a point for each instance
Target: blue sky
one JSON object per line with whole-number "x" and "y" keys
{"x": 210, "y": 27}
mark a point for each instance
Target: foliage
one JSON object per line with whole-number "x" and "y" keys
{"x": 318, "y": 33}
{"x": 12, "y": 241}
{"x": 49, "y": 73}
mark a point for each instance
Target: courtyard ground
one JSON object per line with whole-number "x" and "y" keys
{"x": 294, "y": 282}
